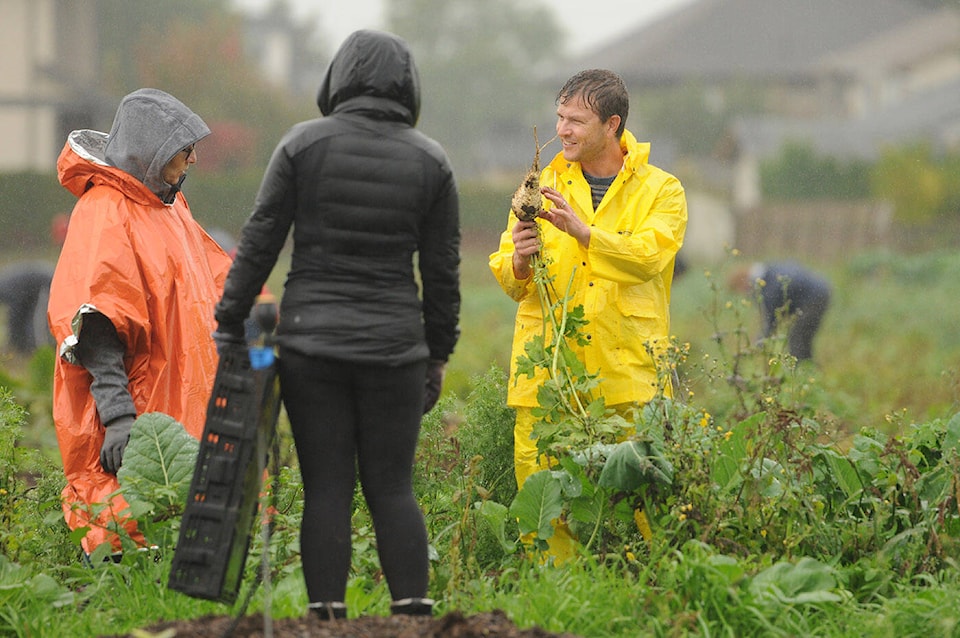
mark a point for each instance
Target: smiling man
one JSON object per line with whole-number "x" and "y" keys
{"x": 612, "y": 226}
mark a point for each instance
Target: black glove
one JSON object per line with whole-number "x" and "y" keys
{"x": 229, "y": 335}
{"x": 435, "y": 369}
{"x": 115, "y": 442}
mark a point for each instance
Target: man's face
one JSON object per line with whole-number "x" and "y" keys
{"x": 178, "y": 165}
{"x": 583, "y": 135}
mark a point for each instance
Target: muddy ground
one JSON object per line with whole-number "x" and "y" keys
{"x": 493, "y": 624}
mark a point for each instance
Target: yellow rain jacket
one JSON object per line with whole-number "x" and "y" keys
{"x": 622, "y": 280}
{"x": 153, "y": 271}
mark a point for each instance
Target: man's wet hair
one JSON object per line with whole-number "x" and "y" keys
{"x": 603, "y": 92}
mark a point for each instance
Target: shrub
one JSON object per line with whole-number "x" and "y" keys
{"x": 799, "y": 173}
{"x": 31, "y": 521}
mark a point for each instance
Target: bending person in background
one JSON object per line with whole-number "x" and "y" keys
{"x": 24, "y": 289}
{"x": 361, "y": 352}
{"x": 131, "y": 300}
{"x": 787, "y": 292}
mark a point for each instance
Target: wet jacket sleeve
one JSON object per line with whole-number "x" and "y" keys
{"x": 100, "y": 351}
{"x": 440, "y": 269}
{"x": 501, "y": 265}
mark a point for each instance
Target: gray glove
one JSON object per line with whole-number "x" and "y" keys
{"x": 115, "y": 442}
{"x": 435, "y": 370}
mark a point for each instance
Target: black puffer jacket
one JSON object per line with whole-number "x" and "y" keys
{"x": 364, "y": 192}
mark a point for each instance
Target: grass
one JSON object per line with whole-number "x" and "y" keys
{"x": 887, "y": 357}
{"x": 884, "y": 353}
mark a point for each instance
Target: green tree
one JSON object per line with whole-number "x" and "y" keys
{"x": 481, "y": 65}
{"x": 913, "y": 179}
{"x": 698, "y": 124}
{"x": 799, "y": 173}
{"x": 126, "y": 26}
{"x": 194, "y": 50}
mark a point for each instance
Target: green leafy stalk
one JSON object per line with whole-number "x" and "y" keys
{"x": 556, "y": 315}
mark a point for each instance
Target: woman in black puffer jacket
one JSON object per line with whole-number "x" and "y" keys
{"x": 362, "y": 350}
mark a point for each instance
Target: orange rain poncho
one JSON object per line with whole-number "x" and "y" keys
{"x": 153, "y": 271}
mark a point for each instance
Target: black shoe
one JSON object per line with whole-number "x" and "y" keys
{"x": 412, "y": 607}
{"x": 328, "y": 611}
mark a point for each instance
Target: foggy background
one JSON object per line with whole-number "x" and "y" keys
{"x": 802, "y": 129}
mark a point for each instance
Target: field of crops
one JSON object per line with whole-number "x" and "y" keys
{"x": 782, "y": 500}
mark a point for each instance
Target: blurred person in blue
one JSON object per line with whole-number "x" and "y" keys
{"x": 24, "y": 289}
{"x": 788, "y": 294}
{"x": 361, "y": 347}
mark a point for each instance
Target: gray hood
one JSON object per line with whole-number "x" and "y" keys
{"x": 378, "y": 67}
{"x": 150, "y": 127}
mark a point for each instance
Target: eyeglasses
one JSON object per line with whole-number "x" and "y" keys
{"x": 190, "y": 150}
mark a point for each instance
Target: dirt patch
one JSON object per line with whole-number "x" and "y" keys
{"x": 453, "y": 625}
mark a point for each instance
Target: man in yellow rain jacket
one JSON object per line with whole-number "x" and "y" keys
{"x": 131, "y": 302}
{"x": 614, "y": 224}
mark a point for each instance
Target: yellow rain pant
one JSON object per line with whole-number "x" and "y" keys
{"x": 562, "y": 546}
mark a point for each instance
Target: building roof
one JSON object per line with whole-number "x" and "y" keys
{"x": 758, "y": 38}
{"x": 923, "y": 37}
{"x": 933, "y": 116}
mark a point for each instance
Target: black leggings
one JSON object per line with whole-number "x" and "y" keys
{"x": 346, "y": 416}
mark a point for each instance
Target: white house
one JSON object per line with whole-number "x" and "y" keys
{"x": 47, "y": 78}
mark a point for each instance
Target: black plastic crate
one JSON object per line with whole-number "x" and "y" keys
{"x": 224, "y": 492}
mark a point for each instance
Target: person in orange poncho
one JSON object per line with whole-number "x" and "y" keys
{"x": 131, "y": 301}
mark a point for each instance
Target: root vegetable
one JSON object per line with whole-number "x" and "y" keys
{"x": 526, "y": 202}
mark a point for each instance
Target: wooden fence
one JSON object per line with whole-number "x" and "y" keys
{"x": 813, "y": 231}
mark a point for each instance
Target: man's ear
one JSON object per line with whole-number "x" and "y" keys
{"x": 613, "y": 123}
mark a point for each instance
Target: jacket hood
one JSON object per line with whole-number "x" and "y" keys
{"x": 150, "y": 127}
{"x": 377, "y": 65}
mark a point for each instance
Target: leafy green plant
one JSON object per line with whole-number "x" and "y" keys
{"x": 31, "y": 522}
{"x": 155, "y": 477}
{"x": 799, "y": 173}
{"x": 568, "y": 412}
{"x": 602, "y": 463}
{"x": 761, "y": 479}
{"x": 917, "y": 182}
{"x": 486, "y": 431}
{"x": 22, "y": 590}
{"x": 158, "y": 466}
{"x": 774, "y": 523}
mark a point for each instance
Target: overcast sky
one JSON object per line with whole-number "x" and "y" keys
{"x": 591, "y": 21}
